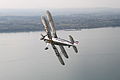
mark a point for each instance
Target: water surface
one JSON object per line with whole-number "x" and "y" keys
{"x": 22, "y": 56}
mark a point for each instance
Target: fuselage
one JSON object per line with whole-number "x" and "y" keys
{"x": 58, "y": 41}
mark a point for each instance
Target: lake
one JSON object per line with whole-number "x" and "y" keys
{"x": 22, "y": 56}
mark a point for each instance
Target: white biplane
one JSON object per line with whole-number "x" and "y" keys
{"x": 52, "y": 38}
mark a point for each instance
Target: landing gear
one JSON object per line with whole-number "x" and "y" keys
{"x": 46, "y": 48}
{"x": 68, "y": 46}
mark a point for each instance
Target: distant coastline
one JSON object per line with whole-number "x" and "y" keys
{"x": 11, "y": 21}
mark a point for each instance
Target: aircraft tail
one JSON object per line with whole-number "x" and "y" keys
{"x": 74, "y": 43}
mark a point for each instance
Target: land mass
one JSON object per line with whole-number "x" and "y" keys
{"x": 64, "y": 19}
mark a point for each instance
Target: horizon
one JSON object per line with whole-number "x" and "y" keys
{"x": 56, "y": 11}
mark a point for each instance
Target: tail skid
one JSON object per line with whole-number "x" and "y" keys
{"x": 73, "y": 42}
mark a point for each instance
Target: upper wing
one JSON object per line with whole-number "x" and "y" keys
{"x": 51, "y": 23}
{"x": 46, "y": 26}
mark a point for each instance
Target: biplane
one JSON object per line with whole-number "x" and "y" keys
{"x": 52, "y": 39}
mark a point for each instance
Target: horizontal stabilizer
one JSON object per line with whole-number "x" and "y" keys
{"x": 75, "y": 49}
{"x": 72, "y": 41}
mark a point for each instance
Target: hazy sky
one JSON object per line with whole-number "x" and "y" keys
{"x": 59, "y": 3}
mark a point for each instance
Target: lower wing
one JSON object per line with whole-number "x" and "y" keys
{"x": 63, "y": 51}
{"x": 58, "y": 54}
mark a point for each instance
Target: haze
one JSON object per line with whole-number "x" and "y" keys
{"x": 28, "y": 4}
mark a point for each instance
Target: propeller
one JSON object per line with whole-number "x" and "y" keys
{"x": 42, "y": 37}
